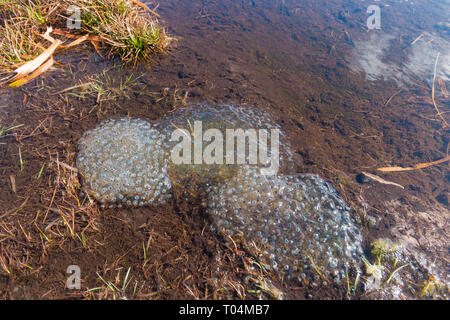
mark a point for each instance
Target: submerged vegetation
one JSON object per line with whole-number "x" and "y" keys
{"x": 4, "y": 130}
{"x": 127, "y": 29}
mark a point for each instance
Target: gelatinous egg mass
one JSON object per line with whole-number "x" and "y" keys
{"x": 292, "y": 222}
{"x": 123, "y": 162}
{"x": 195, "y": 177}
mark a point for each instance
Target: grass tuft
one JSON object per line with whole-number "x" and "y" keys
{"x": 125, "y": 28}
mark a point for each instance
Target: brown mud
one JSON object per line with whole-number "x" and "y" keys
{"x": 289, "y": 59}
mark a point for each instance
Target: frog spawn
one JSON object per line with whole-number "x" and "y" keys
{"x": 195, "y": 178}
{"x": 292, "y": 222}
{"x": 123, "y": 162}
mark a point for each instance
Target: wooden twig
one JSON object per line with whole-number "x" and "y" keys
{"x": 14, "y": 210}
{"x": 432, "y": 92}
{"x": 395, "y": 93}
{"x": 416, "y": 167}
{"x": 62, "y": 164}
{"x": 381, "y": 180}
{"x": 143, "y": 6}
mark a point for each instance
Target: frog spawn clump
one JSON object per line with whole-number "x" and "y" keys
{"x": 195, "y": 178}
{"x": 123, "y": 162}
{"x": 292, "y": 222}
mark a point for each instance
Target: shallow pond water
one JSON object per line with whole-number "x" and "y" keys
{"x": 348, "y": 97}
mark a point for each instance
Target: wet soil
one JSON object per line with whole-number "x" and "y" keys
{"x": 289, "y": 59}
